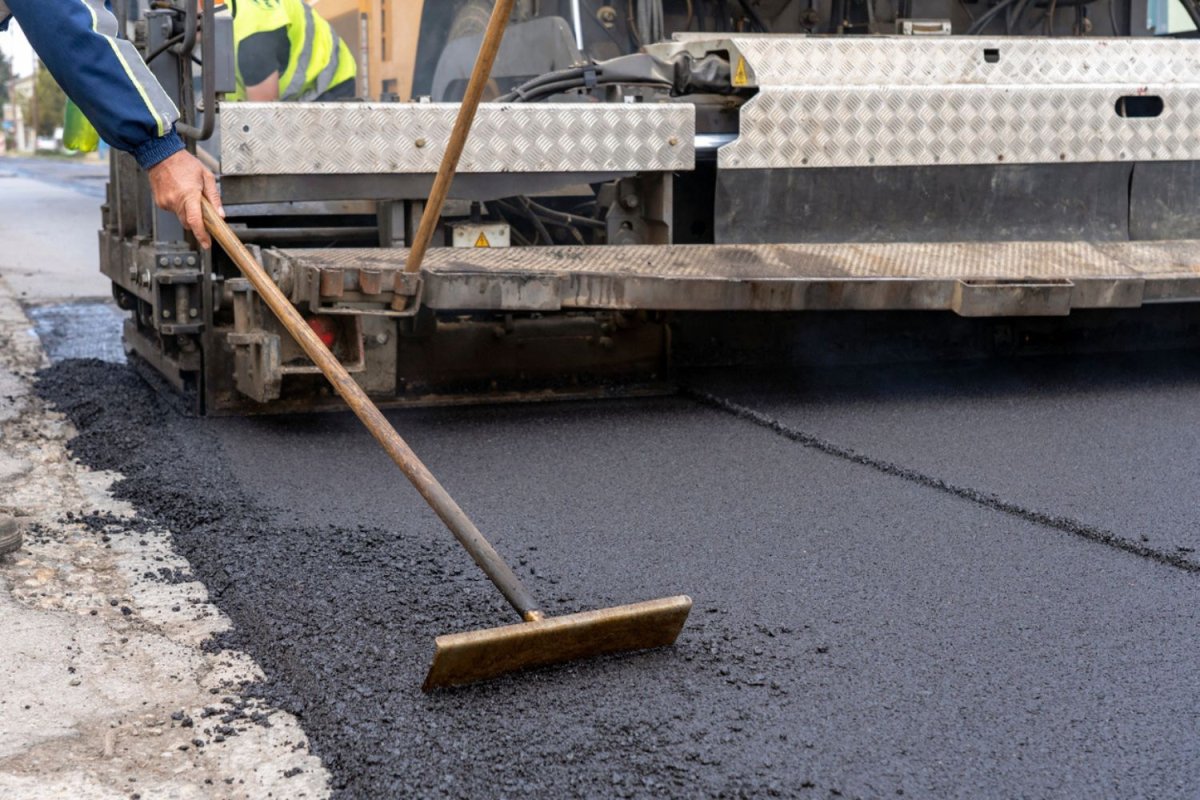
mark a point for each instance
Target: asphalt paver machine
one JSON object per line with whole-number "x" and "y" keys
{"x": 645, "y": 163}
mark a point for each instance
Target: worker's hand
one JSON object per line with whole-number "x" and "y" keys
{"x": 178, "y": 183}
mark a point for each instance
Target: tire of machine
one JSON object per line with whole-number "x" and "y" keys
{"x": 472, "y": 20}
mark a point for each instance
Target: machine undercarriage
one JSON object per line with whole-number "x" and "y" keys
{"x": 613, "y": 216}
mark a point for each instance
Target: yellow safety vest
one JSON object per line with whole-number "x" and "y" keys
{"x": 318, "y": 58}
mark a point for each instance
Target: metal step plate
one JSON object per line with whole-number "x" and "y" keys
{"x": 899, "y": 61}
{"x": 972, "y": 279}
{"x": 874, "y": 101}
{"x": 410, "y": 138}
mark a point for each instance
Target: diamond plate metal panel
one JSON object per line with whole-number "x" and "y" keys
{"x": 937, "y": 61}
{"x": 839, "y": 101}
{"x": 923, "y": 126}
{"x": 799, "y": 262}
{"x": 372, "y": 138}
{"x": 1000, "y": 277}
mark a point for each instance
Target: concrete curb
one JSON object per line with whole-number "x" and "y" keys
{"x": 105, "y": 690}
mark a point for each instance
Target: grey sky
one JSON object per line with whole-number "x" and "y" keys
{"x": 13, "y": 45}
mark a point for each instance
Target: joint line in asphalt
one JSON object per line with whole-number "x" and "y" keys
{"x": 991, "y": 501}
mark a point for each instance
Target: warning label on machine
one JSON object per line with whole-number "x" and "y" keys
{"x": 488, "y": 235}
{"x": 740, "y": 76}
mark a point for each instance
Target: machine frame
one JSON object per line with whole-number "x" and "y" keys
{"x": 987, "y": 177}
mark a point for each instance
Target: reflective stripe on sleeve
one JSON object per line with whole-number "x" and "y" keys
{"x": 153, "y": 95}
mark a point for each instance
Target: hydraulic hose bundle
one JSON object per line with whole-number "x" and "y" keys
{"x": 681, "y": 74}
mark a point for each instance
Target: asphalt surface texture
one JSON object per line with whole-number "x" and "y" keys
{"x": 857, "y": 632}
{"x": 944, "y": 580}
{"x": 51, "y": 212}
{"x": 84, "y": 177}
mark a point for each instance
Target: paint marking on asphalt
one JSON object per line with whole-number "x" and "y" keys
{"x": 994, "y": 502}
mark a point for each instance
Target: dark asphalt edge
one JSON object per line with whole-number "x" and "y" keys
{"x": 990, "y": 501}
{"x": 100, "y": 299}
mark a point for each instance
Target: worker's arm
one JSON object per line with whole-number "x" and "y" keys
{"x": 265, "y": 92}
{"x": 104, "y": 75}
{"x": 262, "y": 58}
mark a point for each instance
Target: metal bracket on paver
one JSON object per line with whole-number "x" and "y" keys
{"x": 359, "y": 286}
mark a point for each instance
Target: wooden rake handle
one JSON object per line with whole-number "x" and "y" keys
{"x": 480, "y": 76}
{"x": 435, "y": 495}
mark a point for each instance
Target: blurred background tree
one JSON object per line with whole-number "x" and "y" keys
{"x": 6, "y": 75}
{"x": 46, "y": 106}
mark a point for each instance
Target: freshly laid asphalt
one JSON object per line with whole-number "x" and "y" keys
{"x": 855, "y": 632}
{"x": 954, "y": 580}
{"x": 1109, "y": 442}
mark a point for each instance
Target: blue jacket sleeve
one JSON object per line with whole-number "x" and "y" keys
{"x": 103, "y": 74}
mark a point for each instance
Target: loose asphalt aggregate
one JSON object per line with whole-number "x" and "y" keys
{"x": 901, "y": 587}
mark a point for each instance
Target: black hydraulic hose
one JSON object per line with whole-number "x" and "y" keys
{"x": 569, "y": 228}
{"x": 520, "y": 211}
{"x": 978, "y": 25}
{"x": 576, "y": 234}
{"x": 495, "y": 210}
{"x": 557, "y": 75}
{"x": 536, "y": 220}
{"x": 681, "y": 74}
{"x": 565, "y": 217}
{"x": 537, "y": 93}
{"x": 162, "y": 48}
{"x": 983, "y": 21}
{"x": 547, "y": 90}
{"x": 755, "y": 17}
{"x": 1014, "y": 20}
{"x": 540, "y": 216}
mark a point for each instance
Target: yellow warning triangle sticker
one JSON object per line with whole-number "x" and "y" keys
{"x": 482, "y": 241}
{"x": 740, "y": 76}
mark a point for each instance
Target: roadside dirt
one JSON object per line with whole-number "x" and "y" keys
{"x": 105, "y": 689}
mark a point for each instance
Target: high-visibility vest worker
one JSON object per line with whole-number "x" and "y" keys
{"x": 286, "y": 51}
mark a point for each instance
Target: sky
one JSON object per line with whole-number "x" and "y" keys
{"x": 13, "y": 45}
